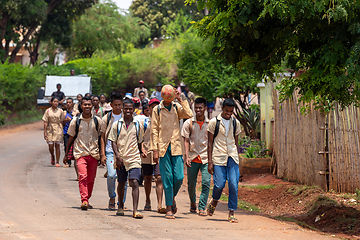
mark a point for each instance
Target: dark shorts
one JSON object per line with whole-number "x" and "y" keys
{"x": 149, "y": 169}
{"x": 66, "y": 139}
{"x": 123, "y": 175}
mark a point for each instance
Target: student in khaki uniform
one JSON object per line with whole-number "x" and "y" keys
{"x": 107, "y": 154}
{"x": 97, "y": 110}
{"x": 126, "y": 136}
{"x": 53, "y": 129}
{"x": 194, "y": 132}
{"x": 86, "y": 149}
{"x": 223, "y": 153}
{"x": 166, "y": 143}
{"x": 148, "y": 165}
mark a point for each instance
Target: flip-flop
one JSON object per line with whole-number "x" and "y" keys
{"x": 57, "y": 165}
{"x": 174, "y": 208}
{"x": 169, "y": 216}
{"x": 84, "y": 206}
{"x": 202, "y": 213}
{"x": 111, "y": 206}
{"x": 232, "y": 219}
{"x": 210, "y": 209}
{"x": 120, "y": 212}
{"x": 193, "y": 209}
{"x": 52, "y": 160}
{"x": 138, "y": 215}
{"x": 147, "y": 208}
{"x": 161, "y": 210}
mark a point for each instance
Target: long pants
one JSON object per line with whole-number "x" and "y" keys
{"x": 192, "y": 173}
{"x": 87, "y": 166}
{"x": 66, "y": 139}
{"x": 112, "y": 176}
{"x": 172, "y": 175}
{"x": 231, "y": 173}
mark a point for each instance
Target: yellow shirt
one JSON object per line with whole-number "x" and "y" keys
{"x": 224, "y": 146}
{"x": 86, "y": 142}
{"x": 54, "y": 118}
{"x": 127, "y": 143}
{"x": 198, "y": 138}
{"x": 165, "y": 129}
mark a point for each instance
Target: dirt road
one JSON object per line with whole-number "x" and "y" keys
{"x": 38, "y": 201}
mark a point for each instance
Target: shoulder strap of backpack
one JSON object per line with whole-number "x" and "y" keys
{"x": 137, "y": 127}
{"x": 119, "y": 125}
{"x": 78, "y": 120}
{"x": 217, "y": 126}
{"x": 96, "y": 123}
{"x": 234, "y": 127}
{"x": 158, "y": 109}
{"x": 191, "y": 125}
{"x": 108, "y": 118}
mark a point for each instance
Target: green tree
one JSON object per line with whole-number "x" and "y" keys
{"x": 321, "y": 37}
{"x": 27, "y": 23}
{"x": 158, "y": 14}
{"x": 103, "y": 27}
{"x": 211, "y": 77}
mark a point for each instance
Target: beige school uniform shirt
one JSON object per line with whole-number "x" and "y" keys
{"x": 224, "y": 145}
{"x": 146, "y": 143}
{"x": 138, "y": 89}
{"x": 198, "y": 138}
{"x": 127, "y": 143}
{"x": 86, "y": 142}
{"x": 54, "y": 118}
{"x": 165, "y": 128}
{"x": 105, "y": 128}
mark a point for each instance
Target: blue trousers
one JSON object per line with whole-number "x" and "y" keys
{"x": 231, "y": 173}
{"x": 111, "y": 177}
{"x": 172, "y": 175}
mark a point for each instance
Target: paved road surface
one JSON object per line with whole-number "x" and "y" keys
{"x": 38, "y": 201}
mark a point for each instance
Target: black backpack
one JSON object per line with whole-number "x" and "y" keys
{"x": 217, "y": 126}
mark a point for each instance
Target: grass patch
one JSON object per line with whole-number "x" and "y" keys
{"x": 261, "y": 187}
{"x": 300, "y": 223}
{"x": 24, "y": 117}
{"x": 297, "y": 190}
{"x": 321, "y": 201}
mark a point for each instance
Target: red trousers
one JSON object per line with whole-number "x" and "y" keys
{"x": 87, "y": 167}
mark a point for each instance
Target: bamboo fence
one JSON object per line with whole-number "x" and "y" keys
{"x": 317, "y": 149}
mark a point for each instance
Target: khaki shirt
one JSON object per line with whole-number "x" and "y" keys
{"x": 165, "y": 129}
{"x": 146, "y": 143}
{"x": 104, "y": 127}
{"x": 54, "y": 130}
{"x": 127, "y": 143}
{"x": 138, "y": 89}
{"x": 198, "y": 138}
{"x": 100, "y": 113}
{"x": 224, "y": 146}
{"x": 86, "y": 142}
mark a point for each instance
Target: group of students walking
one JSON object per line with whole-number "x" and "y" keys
{"x": 150, "y": 147}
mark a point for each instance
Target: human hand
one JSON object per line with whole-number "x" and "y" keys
{"x": 156, "y": 156}
{"x": 188, "y": 161}
{"x": 103, "y": 160}
{"x": 144, "y": 154}
{"x": 178, "y": 95}
{"x": 45, "y": 137}
{"x": 211, "y": 168}
{"x": 119, "y": 162}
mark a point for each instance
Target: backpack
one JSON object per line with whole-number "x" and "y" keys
{"x": 78, "y": 120}
{"x": 108, "y": 118}
{"x": 137, "y": 127}
{"x": 217, "y": 126}
{"x": 146, "y": 123}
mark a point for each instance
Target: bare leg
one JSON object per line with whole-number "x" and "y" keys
{"x": 120, "y": 190}
{"x": 57, "y": 150}
{"x": 135, "y": 193}
{"x": 159, "y": 190}
{"x": 147, "y": 187}
{"x": 51, "y": 150}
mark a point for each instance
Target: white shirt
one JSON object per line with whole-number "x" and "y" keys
{"x": 108, "y": 143}
{"x": 227, "y": 125}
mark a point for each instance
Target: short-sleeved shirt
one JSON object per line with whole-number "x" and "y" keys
{"x": 67, "y": 124}
{"x": 54, "y": 118}
{"x": 146, "y": 123}
{"x": 60, "y": 95}
{"x": 224, "y": 146}
{"x": 86, "y": 142}
{"x": 105, "y": 128}
{"x": 99, "y": 113}
{"x": 127, "y": 142}
{"x": 198, "y": 137}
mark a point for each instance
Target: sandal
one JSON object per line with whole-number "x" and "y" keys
{"x": 169, "y": 216}
{"x": 147, "y": 208}
{"x": 202, "y": 213}
{"x": 57, "y": 165}
{"x": 193, "y": 209}
{"x": 84, "y": 206}
{"x": 161, "y": 210}
{"x": 210, "y": 209}
{"x": 120, "y": 212}
{"x": 137, "y": 215}
{"x": 52, "y": 160}
{"x": 232, "y": 219}
{"x": 111, "y": 206}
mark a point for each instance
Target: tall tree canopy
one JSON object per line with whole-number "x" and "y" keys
{"x": 26, "y": 23}
{"x": 158, "y": 14}
{"x": 321, "y": 37}
{"x": 103, "y": 27}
